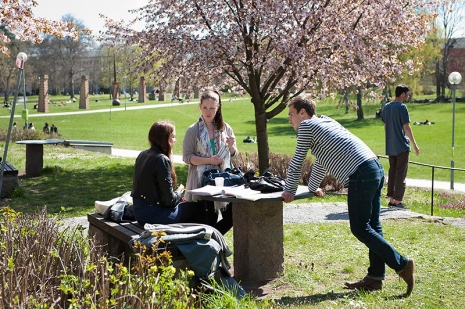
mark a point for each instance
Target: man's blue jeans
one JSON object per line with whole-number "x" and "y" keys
{"x": 364, "y": 204}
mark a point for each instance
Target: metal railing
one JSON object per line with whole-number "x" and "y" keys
{"x": 433, "y": 167}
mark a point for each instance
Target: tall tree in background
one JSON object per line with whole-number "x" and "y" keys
{"x": 275, "y": 49}
{"x": 69, "y": 52}
{"x": 422, "y": 79}
{"x": 7, "y": 64}
{"x": 63, "y": 58}
{"x": 451, "y": 18}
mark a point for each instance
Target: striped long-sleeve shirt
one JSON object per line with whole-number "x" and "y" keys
{"x": 337, "y": 151}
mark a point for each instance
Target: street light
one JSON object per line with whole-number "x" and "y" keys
{"x": 21, "y": 58}
{"x": 454, "y": 78}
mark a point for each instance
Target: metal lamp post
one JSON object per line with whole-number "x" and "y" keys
{"x": 454, "y": 78}
{"x": 20, "y": 60}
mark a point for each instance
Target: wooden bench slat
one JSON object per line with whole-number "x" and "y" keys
{"x": 123, "y": 232}
{"x": 9, "y": 169}
{"x": 133, "y": 226}
{"x": 113, "y": 228}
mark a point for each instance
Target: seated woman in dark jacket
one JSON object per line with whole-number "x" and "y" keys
{"x": 154, "y": 195}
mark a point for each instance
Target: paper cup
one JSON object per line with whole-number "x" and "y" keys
{"x": 219, "y": 181}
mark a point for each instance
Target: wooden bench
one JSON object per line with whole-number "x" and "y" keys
{"x": 10, "y": 179}
{"x": 114, "y": 237}
{"x": 9, "y": 170}
{"x": 104, "y": 147}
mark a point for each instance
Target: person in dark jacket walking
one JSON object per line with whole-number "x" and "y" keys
{"x": 156, "y": 199}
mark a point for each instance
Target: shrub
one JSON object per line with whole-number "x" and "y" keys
{"x": 21, "y": 134}
{"x": 278, "y": 166}
{"x": 46, "y": 265}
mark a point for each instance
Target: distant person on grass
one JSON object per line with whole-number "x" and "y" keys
{"x": 46, "y": 128}
{"x": 343, "y": 155}
{"x": 398, "y": 137}
{"x": 54, "y": 129}
{"x": 156, "y": 197}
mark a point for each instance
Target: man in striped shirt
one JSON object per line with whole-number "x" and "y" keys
{"x": 343, "y": 155}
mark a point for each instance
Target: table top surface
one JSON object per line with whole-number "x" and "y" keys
{"x": 41, "y": 141}
{"x": 302, "y": 192}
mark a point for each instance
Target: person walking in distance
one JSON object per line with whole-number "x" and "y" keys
{"x": 399, "y": 135}
{"x": 343, "y": 155}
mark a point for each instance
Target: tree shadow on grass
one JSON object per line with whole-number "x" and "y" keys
{"x": 74, "y": 192}
{"x": 313, "y": 299}
{"x": 330, "y": 296}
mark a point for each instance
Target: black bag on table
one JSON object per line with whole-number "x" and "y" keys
{"x": 232, "y": 177}
{"x": 267, "y": 183}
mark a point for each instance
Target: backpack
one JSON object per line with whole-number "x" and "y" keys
{"x": 119, "y": 209}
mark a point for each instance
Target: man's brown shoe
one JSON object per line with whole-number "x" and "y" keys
{"x": 366, "y": 284}
{"x": 407, "y": 275}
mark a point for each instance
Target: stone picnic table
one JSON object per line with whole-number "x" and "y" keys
{"x": 258, "y": 235}
{"x": 35, "y": 154}
{"x": 35, "y": 151}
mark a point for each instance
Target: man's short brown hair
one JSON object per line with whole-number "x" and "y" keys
{"x": 301, "y": 102}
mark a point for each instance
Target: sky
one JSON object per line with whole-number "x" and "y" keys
{"x": 88, "y": 10}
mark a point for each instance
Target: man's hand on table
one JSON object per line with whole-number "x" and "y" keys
{"x": 319, "y": 192}
{"x": 287, "y": 196}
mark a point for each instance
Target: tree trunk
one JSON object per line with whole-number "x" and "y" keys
{"x": 262, "y": 134}
{"x": 161, "y": 94}
{"x": 359, "y": 104}
{"x": 346, "y": 99}
{"x": 177, "y": 89}
{"x": 438, "y": 82}
{"x": 71, "y": 84}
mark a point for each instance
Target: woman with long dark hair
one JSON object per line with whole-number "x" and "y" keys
{"x": 156, "y": 197}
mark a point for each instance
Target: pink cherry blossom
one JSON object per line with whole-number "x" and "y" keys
{"x": 17, "y": 17}
{"x": 274, "y": 49}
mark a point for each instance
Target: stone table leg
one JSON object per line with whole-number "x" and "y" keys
{"x": 258, "y": 240}
{"x": 34, "y": 159}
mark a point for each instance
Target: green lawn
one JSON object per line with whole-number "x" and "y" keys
{"x": 318, "y": 257}
{"x": 128, "y": 128}
{"x": 71, "y": 171}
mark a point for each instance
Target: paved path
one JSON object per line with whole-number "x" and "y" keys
{"x": 121, "y": 108}
{"x": 322, "y": 212}
{"x": 423, "y": 183}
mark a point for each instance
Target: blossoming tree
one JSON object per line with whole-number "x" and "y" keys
{"x": 275, "y": 49}
{"x": 17, "y": 17}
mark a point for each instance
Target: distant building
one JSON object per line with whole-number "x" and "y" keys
{"x": 457, "y": 57}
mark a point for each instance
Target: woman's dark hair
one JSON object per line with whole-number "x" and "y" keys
{"x": 300, "y": 102}
{"x": 215, "y": 96}
{"x": 159, "y": 134}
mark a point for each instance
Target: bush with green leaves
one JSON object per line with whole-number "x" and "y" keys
{"x": 45, "y": 264}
